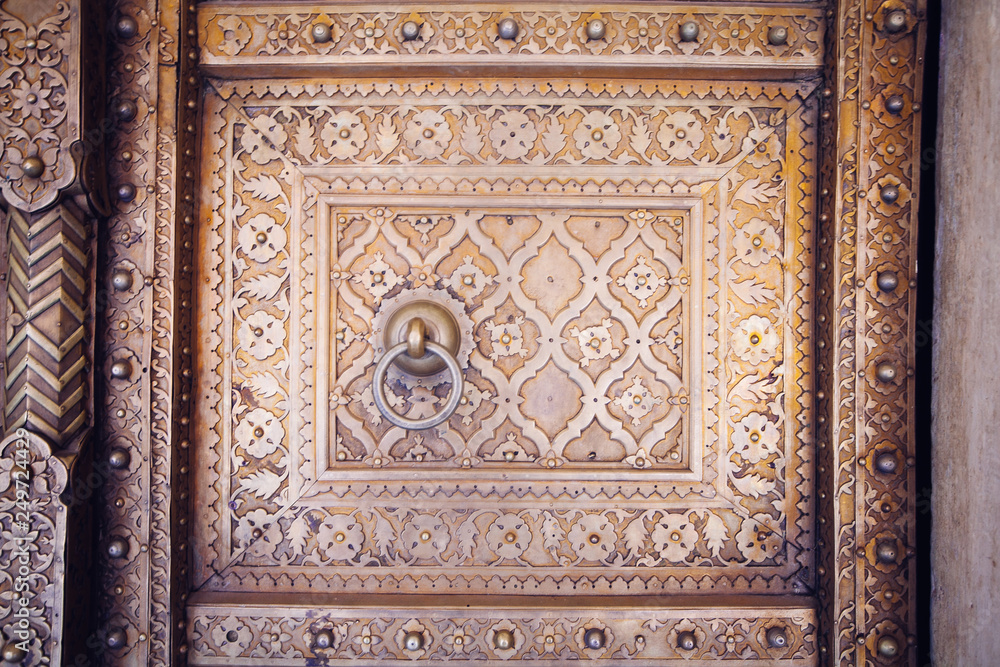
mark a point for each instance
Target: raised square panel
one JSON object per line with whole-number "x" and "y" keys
{"x": 574, "y": 324}
{"x": 673, "y": 455}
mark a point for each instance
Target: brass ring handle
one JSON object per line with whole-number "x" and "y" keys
{"x": 416, "y": 333}
{"x": 378, "y": 384}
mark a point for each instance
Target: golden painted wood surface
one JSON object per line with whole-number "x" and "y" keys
{"x": 732, "y": 133}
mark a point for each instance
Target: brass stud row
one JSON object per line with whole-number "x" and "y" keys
{"x": 508, "y": 29}
{"x": 593, "y": 639}
{"x": 886, "y": 462}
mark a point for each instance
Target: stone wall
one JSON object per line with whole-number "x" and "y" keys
{"x": 966, "y": 403}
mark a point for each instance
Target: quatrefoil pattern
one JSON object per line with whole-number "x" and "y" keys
{"x": 528, "y": 309}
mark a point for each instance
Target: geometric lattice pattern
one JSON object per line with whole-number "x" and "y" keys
{"x": 576, "y": 360}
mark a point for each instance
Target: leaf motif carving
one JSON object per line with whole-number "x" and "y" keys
{"x": 716, "y": 533}
{"x": 752, "y": 292}
{"x": 553, "y": 138}
{"x": 383, "y": 535}
{"x": 263, "y": 385}
{"x": 754, "y": 193}
{"x": 262, "y": 483}
{"x": 386, "y": 138}
{"x": 641, "y": 137}
{"x": 265, "y": 286}
{"x": 753, "y": 485}
{"x": 466, "y": 534}
{"x": 472, "y": 138}
{"x": 553, "y": 535}
{"x": 305, "y": 138}
{"x": 634, "y": 536}
{"x": 298, "y": 534}
{"x": 264, "y": 187}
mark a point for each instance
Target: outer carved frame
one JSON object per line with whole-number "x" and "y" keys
{"x": 860, "y": 506}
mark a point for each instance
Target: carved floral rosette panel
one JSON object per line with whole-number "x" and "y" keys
{"x": 235, "y": 37}
{"x": 673, "y": 455}
{"x": 224, "y": 635}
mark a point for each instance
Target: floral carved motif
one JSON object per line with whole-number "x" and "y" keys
{"x": 144, "y": 289}
{"x": 235, "y": 36}
{"x": 33, "y": 526}
{"x": 475, "y": 634}
{"x": 40, "y": 114}
{"x": 874, "y": 76}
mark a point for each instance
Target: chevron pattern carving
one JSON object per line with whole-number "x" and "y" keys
{"x": 47, "y": 386}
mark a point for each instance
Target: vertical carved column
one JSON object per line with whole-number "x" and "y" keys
{"x": 868, "y": 206}
{"x": 50, "y": 184}
{"x": 144, "y": 275}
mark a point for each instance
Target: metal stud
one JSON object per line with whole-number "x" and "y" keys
{"x": 413, "y": 641}
{"x": 886, "y": 463}
{"x": 776, "y": 637}
{"x": 895, "y": 21}
{"x": 689, "y": 31}
{"x": 894, "y": 104}
{"x": 508, "y": 28}
{"x": 121, "y": 369}
{"x": 117, "y": 548}
{"x": 887, "y": 281}
{"x": 121, "y": 279}
{"x": 885, "y": 372}
{"x": 126, "y": 192}
{"x": 889, "y": 193}
{"x": 594, "y": 638}
{"x": 886, "y": 552}
{"x": 126, "y": 27}
{"x": 887, "y": 647}
{"x": 777, "y": 35}
{"x": 126, "y": 110}
{"x": 115, "y": 638}
{"x": 503, "y": 639}
{"x": 321, "y": 33}
{"x": 411, "y": 30}
{"x": 14, "y": 654}
{"x": 119, "y": 458}
{"x": 33, "y": 166}
{"x": 323, "y": 639}
{"x": 596, "y": 29}
{"x": 686, "y": 641}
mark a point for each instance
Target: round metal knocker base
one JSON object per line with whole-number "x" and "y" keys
{"x": 441, "y": 328}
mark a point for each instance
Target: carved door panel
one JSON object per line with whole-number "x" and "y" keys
{"x": 627, "y": 474}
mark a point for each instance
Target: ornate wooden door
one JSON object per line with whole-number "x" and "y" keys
{"x": 630, "y": 265}
{"x": 641, "y": 226}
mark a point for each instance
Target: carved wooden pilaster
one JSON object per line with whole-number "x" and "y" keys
{"x": 48, "y": 348}
{"x": 144, "y": 273}
{"x": 867, "y": 251}
{"x": 51, "y": 92}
